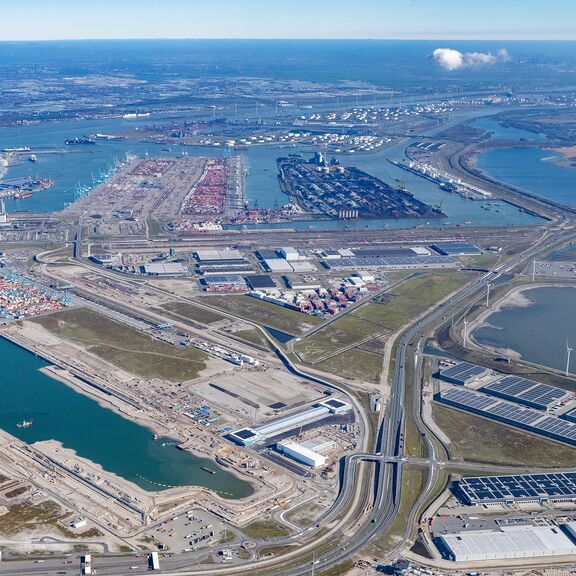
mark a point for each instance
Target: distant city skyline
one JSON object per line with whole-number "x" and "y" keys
{"x": 289, "y": 19}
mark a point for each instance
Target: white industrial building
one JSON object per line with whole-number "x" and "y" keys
{"x": 302, "y": 266}
{"x": 365, "y": 276}
{"x": 506, "y": 543}
{"x": 289, "y": 253}
{"x": 250, "y": 436}
{"x": 277, "y": 265}
{"x": 301, "y": 454}
{"x": 163, "y": 269}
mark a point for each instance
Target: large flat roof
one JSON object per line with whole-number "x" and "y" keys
{"x": 510, "y": 542}
{"x": 527, "y": 392}
{"x": 518, "y": 488}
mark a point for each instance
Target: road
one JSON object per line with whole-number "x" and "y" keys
{"x": 388, "y": 457}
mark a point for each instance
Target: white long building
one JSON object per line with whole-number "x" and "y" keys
{"x": 506, "y": 543}
{"x": 301, "y": 454}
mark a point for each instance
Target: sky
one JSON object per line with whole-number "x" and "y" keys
{"x": 418, "y": 19}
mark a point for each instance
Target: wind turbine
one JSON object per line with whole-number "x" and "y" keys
{"x": 568, "y": 351}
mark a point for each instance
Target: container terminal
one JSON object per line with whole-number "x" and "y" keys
{"x": 328, "y": 189}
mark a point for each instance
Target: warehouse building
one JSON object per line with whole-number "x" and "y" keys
{"x": 301, "y": 454}
{"x": 277, "y": 266}
{"x": 289, "y": 253}
{"x": 527, "y": 392}
{"x": 267, "y": 255}
{"x": 226, "y": 256}
{"x": 163, "y": 269}
{"x": 509, "y": 489}
{"x": 250, "y": 436}
{"x": 507, "y": 543}
{"x": 301, "y": 283}
{"x": 260, "y": 282}
{"x": 463, "y": 373}
{"x": 455, "y": 249}
{"x": 534, "y": 421}
{"x": 106, "y": 259}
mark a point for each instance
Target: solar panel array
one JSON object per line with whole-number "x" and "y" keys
{"x": 455, "y": 248}
{"x": 527, "y": 392}
{"x": 570, "y": 416}
{"x": 558, "y": 427}
{"x": 379, "y": 262}
{"x": 518, "y": 488}
{"x": 463, "y": 373}
{"x": 526, "y": 418}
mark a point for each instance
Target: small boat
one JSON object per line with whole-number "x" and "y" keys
{"x": 24, "y": 424}
{"x": 156, "y": 436}
{"x": 209, "y": 470}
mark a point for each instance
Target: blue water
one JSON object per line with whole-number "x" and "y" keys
{"x": 80, "y": 163}
{"x": 499, "y": 132}
{"x": 96, "y": 433}
{"x": 538, "y": 332}
{"x": 526, "y": 168}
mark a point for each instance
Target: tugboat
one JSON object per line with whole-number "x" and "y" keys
{"x": 24, "y": 424}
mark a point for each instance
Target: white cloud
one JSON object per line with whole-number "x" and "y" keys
{"x": 450, "y": 59}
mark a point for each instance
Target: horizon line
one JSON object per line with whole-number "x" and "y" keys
{"x": 294, "y": 39}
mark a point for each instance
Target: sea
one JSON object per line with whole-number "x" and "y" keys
{"x": 538, "y": 332}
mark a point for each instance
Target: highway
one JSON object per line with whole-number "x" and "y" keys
{"x": 388, "y": 455}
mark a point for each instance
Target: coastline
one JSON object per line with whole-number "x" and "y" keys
{"x": 516, "y": 298}
{"x": 141, "y": 418}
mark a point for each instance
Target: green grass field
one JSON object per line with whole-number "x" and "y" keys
{"x": 264, "y": 313}
{"x": 355, "y": 364}
{"x": 343, "y": 332}
{"x": 478, "y": 440}
{"x": 265, "y": 529}
{"x": 413, "y": 298}
{"x": 195, "y": 313}
{"x": 253, "y": 336}
{"x": 376, "y": 319}
{"x": 123, "y": 346}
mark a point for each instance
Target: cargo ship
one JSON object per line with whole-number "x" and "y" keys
{"x": 79, "y": 141}
{"x": 21, "y": 195}
{"x": 24, "y": 424}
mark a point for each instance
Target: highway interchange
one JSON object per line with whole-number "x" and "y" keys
{"x": 361, "y": 513}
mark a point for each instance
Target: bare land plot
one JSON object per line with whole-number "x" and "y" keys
{"x": 124, "y": 346}
{"x": 264, "y": 313}
{"x": 191, "y": 312}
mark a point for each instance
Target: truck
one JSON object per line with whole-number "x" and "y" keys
{"x": 153, "y": 561}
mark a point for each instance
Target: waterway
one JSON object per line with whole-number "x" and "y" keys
{"x": 539, "y": 331}
{"x": 97, "y": 433}
{"x": 80, "y": 164}
{"x": 529, "y": 170}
